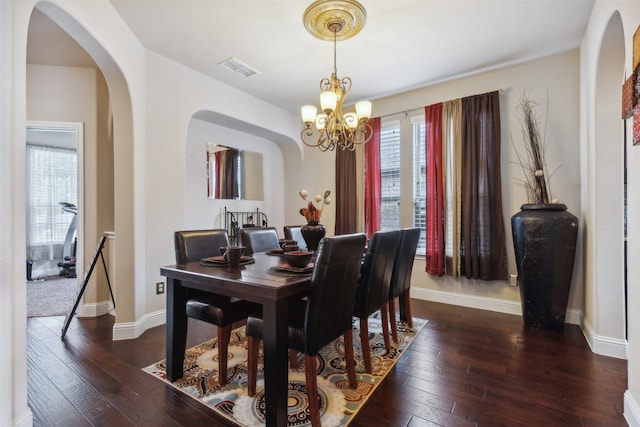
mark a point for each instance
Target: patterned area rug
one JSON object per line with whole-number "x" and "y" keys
{"x": 339, "y": 403}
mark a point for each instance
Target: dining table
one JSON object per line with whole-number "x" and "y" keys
{"x": 256, "y": 282}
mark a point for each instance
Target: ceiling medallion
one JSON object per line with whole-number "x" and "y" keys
{"x": 342, "y": 19}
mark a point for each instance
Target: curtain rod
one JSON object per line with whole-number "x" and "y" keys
{"x": 406, "y": 112}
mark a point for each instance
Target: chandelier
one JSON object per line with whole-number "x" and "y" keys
{"x": 326, "y": 20}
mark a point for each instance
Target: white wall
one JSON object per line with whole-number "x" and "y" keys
{"x": 202, "y": 212}
{"x": 152, "y": 101}
{"x": 605, "y": 22}
{"x": 174, "y": 94}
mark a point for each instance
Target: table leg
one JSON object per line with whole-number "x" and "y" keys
{"x": 176, "y": 340}
{"x": 275, "y": 340}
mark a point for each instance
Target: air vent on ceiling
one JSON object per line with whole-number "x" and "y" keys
{"x": 239, "y": 67}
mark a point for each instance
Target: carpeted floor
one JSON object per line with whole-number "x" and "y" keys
{"x": 339, "y": 403}
{"x": 54, "y": 296}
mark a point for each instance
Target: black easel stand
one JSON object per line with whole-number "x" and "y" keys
{"x": 67, "y": 320}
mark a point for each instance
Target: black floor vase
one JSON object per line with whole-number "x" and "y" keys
{"x": 544, "y": 240}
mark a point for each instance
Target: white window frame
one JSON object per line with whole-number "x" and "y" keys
{"x": 405, "y": 121}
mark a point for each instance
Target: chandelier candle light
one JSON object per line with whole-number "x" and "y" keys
{"x": 326, "y": 20}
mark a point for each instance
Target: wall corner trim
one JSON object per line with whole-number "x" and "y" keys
{"x": 132, "y": 330}
{"x": 631, "y": 410}
{"x": 605, "y": 346}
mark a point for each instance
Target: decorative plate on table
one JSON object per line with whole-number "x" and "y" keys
{"x": 288, "y": 269}
{"x": 219, "y": 260}
{"x": 277, "y": 251}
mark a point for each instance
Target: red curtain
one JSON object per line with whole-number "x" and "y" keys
{"x": 435, "y": 193}
{"x": 372, "y": 195}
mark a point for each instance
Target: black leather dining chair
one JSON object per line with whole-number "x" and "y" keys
{"x": 259, "y": 239}
{"x": 373, "y": 287}
{"x": 219, "y": 310}
{"x": 401, "y": 277}
{"x": 292, "y": 232}
{"x": 325, "y": 315}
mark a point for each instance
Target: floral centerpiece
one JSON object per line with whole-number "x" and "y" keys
{"x": 312, "y": 213}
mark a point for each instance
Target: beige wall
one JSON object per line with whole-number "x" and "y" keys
{"x": 69, "y": 94}
{"x": 553, "y": 79}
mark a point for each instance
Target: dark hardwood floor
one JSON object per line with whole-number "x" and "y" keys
{"x": 466, "y": 368}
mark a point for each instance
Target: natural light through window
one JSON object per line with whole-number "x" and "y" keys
{"x": 393, "y": 213}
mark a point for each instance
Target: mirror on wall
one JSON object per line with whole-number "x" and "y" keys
{"x": 233, "y": 173}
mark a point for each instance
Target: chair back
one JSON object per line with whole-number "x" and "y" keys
{"x": 332, "y": 293}
{"x": 193, "y": 245}
{"x": 401, "y": 277}
{"x": 375, "y": 275}
{"x": 259, "y": 239}
{"x": 292, "y": 232}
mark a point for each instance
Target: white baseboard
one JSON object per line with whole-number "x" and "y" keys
{"x": 25, "y": 420}
{"x": 605, "y": 346}
{"x": 132, "y": 330}
{"x": 602, "y": 345}
{"x": 94, "y": 309}
{"x": 631, "y": 410}
{"x": 573, "y": 317}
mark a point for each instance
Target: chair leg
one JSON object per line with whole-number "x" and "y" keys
{"x": 392, "y": 319}
{"x": 293, "y": 358}
{"x": 312, "y": 389}
{"x": 364, "y": 341}
{"x": 224, "y": 336}
{"x": 253, "y": 345}
{"x": 349, "y": 358}
{"x": 407, "y": 307}
{"x": 384, "y": 311}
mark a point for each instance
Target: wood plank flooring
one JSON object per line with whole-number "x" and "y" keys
{"x": 466, "y": 368}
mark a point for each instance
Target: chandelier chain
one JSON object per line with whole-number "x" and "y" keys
{"x": 335, "y": 61}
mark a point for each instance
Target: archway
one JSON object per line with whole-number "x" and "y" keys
{"x": 605, "y": 305}
{"x": 121, "y": 132}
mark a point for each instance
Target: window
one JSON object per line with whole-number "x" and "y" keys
{"x": 52, "y": 179}
{"x": 394, "y": 213}
{"x": 419, "y": 186}
{"x": 424, "y": 158}
{"x": 390, "y": 178}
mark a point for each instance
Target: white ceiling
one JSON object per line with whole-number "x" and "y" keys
{"x": 405, "y": 44}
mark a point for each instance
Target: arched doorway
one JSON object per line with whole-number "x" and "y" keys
{"x": 605, "y": 304}
{"x": 114, "y": 151}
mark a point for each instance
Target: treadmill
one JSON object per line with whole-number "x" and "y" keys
{"x": 68, "y": 263}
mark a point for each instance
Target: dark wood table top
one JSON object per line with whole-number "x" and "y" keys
{"x": 252, "y": 282}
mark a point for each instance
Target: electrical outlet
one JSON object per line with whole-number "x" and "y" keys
{"x": 513, "y": 280}
{"x": 159, "y": 288}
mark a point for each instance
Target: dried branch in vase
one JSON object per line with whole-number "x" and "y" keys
{"x": 532, "y": 158}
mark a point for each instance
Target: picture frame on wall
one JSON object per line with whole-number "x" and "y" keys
{"x": 629, "y": 97}
{"x": 636, "y": 48}
{"x": 636, "y": 86}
